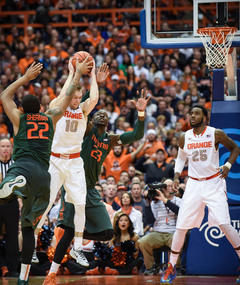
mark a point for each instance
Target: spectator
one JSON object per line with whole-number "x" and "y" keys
{"x": 118, "y": 160}
{"x": 168, "y": 81}
{"x": 139, "y": 67}
{"x": 134, "y": 215}
{"x": 165, "y": 208}
{"x": 125, "y": 178}
{"x": 151, "y": 146}
{"x": 174, "y": 68}
{"x": 121, "y": 189}
{"x": 108, "y": 207}
{"x": 26, "y": 61}
{"x": 156, "y": 170}
{"x": 110, "y": 193}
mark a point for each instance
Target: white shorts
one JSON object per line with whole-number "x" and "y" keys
{"x": 198, "y": 194}
{"x": 70, "y": 174}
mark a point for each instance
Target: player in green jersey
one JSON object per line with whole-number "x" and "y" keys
{"x": 33, "y": 134}
{"x": 96, "y": 146}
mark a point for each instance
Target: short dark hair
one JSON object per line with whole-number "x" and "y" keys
{"x": 160, "y": 149}
{"x": 30, "y": 104}
{"x": 204, "y": 110}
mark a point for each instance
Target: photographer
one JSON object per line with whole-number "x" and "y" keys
{"x": 165, "y": 208}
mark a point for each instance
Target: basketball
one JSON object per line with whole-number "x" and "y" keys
{"x": 81, "y": 55}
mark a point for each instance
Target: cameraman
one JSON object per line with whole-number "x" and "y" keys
{"x": 165, "y": 208}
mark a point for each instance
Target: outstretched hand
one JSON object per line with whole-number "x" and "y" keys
{"x": 141, "y": 103}
{"x": 33, "y": 71}
{"x": 102, "y": 73}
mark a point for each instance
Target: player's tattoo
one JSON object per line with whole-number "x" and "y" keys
{"x": 55, "y": 111}
{"x": 70, "y": 89}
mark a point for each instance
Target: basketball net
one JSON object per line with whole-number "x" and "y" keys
{"x": 217, "y": 42}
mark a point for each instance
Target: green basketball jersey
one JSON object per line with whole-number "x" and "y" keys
{"x": 95, "y": 148}
{"x": 34, "y": 138}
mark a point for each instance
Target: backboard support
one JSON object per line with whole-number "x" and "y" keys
{"x": 164, "y": 28}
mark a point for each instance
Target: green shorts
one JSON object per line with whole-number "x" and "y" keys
{"x": 36, "y": 190}
{"x": 97, "y": 218}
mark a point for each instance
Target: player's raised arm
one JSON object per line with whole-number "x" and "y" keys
{"x": 58, "y": 110}
{"x": 138, "y": 130}
{"x": 9, "y": 105}
{"x": 91, "y": 102}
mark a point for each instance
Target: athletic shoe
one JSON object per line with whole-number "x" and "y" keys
{"x": 8, "y": 187}
{"x": 150, "y": 271}
{"x": 34, "y": 257}
{"x": 169, "y": 274}
{"x": 79, "y": 256}
{"x": 22, "y": 282}
{"x": 238, "y": 280}
{"x": 50, "y": 279}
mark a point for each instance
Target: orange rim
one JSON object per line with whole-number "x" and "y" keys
{"x": 216, "y": 30}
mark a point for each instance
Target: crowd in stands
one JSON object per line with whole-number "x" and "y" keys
{"x": 176, "y": 80}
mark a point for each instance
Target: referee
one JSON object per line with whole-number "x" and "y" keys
{"x": 9, "y": 217}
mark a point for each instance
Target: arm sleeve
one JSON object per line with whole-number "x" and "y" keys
{"x": 173, "y": 207}
{"x": 134, "y": 135}
{"x": 180, "y": 161}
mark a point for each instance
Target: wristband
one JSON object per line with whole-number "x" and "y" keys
{"x": 228, "y": 165}
{"x": 141, "y": 113}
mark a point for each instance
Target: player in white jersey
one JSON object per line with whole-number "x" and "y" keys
{"x": 66, "y": 165}
{"x": 206, "y": 185}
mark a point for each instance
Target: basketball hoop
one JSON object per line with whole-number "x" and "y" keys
{"x": 217, "y": 42}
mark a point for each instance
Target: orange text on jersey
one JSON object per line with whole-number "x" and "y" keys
{"x": 199, "y": 145}
{"x": 37, "y": 117}
{"x": 73, "y": 115}
{"x": 99, "y": 144}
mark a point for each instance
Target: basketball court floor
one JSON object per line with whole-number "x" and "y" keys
{"x": 128, "y": 280}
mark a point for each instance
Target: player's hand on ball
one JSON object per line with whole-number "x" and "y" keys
{"x": 84, "y": 67}
{"x": 70, "y": 66}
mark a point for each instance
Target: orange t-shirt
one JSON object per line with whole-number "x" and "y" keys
{"x": 151, "y": 150}
{"x": 3, "y": 129}
{"x": 94, "y": 41}
{"x": 115, "y": 165}
{"x": 24, "y": 63}
{"x": 63, "y": 54}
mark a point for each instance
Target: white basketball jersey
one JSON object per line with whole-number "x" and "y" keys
{"x": 203, "y": 158}
{"x": 69, "y": 133}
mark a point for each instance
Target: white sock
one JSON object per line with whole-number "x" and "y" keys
{"x": 79, "y": 222}
{"x": 36, "y": 238}
{"x": 177, "y": 244}
{"x": 78, "y": 242}
{"x": 232, "y": 236}
{"x": 24, "y": 273}
{"x": 54, "y": 267}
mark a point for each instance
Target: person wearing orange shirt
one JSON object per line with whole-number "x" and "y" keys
{"x": 59, "y": 52}
{"x": 167, "y": 82}
{"x": 95, "y": 38}
{"x": 46, "y": 89}
{"x": 118, "y": 161}
{"x": 151, "y": 146}
{"x": 29, "y": 35}
{"x": 26, "y": 61}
